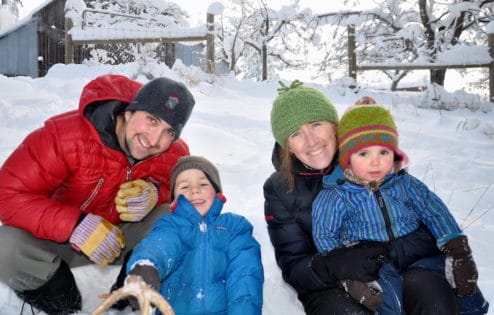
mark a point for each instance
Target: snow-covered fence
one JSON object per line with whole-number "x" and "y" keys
{"x": 465, "y": 57}
{"x": 460, "y": 57}
{"x": 79, "y": 33}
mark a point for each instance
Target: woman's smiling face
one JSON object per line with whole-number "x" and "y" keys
{"x": 314, "y": 144}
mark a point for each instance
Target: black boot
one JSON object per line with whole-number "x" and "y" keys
{"x": 58, "y": 296}
{"x": 120, "y": 305}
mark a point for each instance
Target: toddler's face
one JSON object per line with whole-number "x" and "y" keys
{"x": 194, "y": 185}
{"x": 372, "y": 163}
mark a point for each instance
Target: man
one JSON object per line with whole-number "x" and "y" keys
{"x": 84, "y": 187}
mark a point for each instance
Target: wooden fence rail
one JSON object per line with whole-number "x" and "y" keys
{"x": 353, "y": 67}
{"x": 75, "y": 37}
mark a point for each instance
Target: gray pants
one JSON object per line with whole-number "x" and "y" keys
{"x": 27, "y": 262}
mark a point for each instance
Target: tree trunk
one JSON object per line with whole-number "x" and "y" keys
{"x": 396, "y": 78}
{"x": 430, "y": 36}
{"x": 170, "y": 54}
{"x": 437, "y": 76}
{"x": 264, "y": 62}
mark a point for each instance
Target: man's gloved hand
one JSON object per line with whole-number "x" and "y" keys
{"x": 461, "y": 270}
{"x": 364, "y": 293}
{"x": 349, "y": 263}
{"x": 150, "y": 275}
{"x": 98, "y": 239}
{"x": 135, "y": 199}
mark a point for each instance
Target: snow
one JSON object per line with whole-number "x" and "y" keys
{"x": 215, "y": 8}
{"x": 129, "y": 31}
{"x": 460, "y": 55}
{"x": 129, "y": 28}
{"x": 450, "y": 150}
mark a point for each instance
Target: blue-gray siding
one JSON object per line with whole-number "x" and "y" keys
{"x": 19, "y": 51}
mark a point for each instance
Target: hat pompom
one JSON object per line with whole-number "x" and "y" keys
{"x": 365, "y": 100}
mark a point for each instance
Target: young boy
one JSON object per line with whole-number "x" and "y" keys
{"x": 202, "y": 261}
{"x": 379, "y": 201}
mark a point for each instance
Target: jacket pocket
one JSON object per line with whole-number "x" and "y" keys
{"x": 92, "y": 195}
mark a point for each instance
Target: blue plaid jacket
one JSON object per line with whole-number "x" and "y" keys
{"x": 344, "y": 212}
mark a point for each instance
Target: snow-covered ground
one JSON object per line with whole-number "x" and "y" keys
{"x": 452, "y": 151}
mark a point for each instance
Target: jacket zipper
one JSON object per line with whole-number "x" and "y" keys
{"x": 204, "y": 230}
{"x": 129, "y": 174}
{"x": 384, "y": 210}
{"x": 93, "y": 194}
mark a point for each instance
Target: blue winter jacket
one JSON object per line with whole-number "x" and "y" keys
{"x": 207, "y": 265}
{"x": 344, "y": 213}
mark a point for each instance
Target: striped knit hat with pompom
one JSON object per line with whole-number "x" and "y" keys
{"x": 366, "y": 124}
{"x": 297, "y": 105}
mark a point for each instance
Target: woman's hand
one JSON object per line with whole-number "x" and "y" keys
{"x": 350, "y": 263}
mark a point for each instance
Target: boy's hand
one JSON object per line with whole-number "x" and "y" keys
{"x": 150, "y": 275}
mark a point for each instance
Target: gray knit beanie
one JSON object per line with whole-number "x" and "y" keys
{"x": 167, "y": 99}
{"x": 199, "y": 163}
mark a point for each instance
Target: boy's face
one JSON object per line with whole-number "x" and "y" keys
{"x": 372, "y": 163}
{"x": 194, "y": 185}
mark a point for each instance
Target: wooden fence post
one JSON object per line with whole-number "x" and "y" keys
{"x": 490, "y": 30}
{"x": 352, "y": 56}
{"x": 170, "y": 55}
{"x": 210, "y": 65}
{"x": 69, "y": 45}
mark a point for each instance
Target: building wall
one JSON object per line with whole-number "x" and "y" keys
{"x": 195, "y": 55}
{"x": 19, "y": 51}
{"x": 191, "y": 55}
{"x": 51, "y": 35}
{"x": 36, "y": 45}
{"x": 33, "y": 47}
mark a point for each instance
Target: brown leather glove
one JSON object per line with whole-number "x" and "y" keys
{"x": 355, "y": 263}
{"x": 460, "y": 269}
{"x": 150, "y": 275}
{"x": 363, "y": 293}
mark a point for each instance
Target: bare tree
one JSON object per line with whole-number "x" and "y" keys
{"x": 144, "y": 13}
{"x": 405, "y": 31}
{"x": 13, "y": 5}
{"x": 263, "y": 36}
{"x": 444, "y": 26}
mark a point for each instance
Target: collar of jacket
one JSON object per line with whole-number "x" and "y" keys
{"x": 347, "y": 183}
{"x": 182, "y": 207}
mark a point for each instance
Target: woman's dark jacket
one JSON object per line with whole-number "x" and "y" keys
{"x": 289, "y": 220}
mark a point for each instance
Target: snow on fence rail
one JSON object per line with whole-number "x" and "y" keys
{"x": 485, "y": 60}
{"x": 83, "y": 34}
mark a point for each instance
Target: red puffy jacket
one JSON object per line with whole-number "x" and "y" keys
{"x": 63, "y": 169}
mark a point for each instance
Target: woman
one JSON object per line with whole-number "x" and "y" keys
{"x": 304, "y": 123}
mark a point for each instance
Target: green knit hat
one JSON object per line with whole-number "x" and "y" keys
{"x": 297, "y": 105}
{"x": 366, "y": 125}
